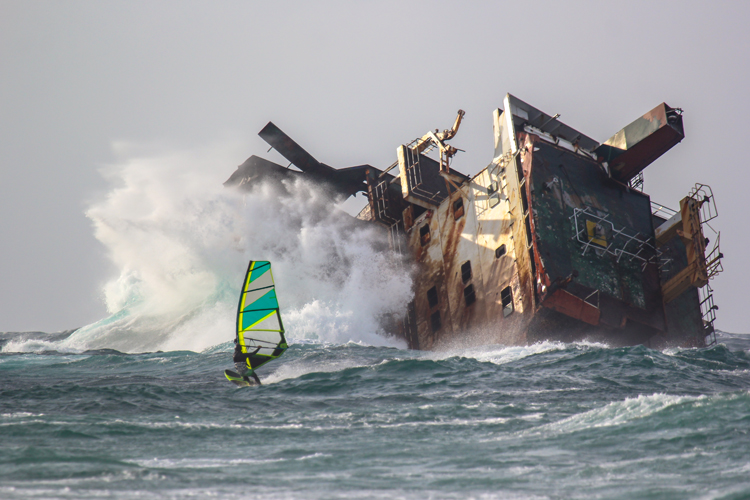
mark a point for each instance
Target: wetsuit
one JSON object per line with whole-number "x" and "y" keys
{"x": 240, "y": 363}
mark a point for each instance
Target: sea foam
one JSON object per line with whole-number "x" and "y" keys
{"x": 180, "y": 243}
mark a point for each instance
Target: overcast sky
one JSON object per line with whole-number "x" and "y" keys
{"x": 349, "y": 81}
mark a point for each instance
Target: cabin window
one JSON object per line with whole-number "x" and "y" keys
{"x": 435, "y": 321}
{"x": 507, "y": 298}
{"x": 469, "y": 295}
{"x": 466, "y": 271}
{"x": 500, "y": 251}
{"x": 424, "y": 234}
{"x": 432, "y": 297}
{"x": 493, "y": 191}
{"x": 458, "y": 208}
{"x": 494, "y": 200}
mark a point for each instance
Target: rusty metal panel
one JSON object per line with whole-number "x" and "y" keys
{"x": 641, "y": 142}
{"x": 570, "y": 190}
{"x": 515, "y": 176}
{"x": 458, "y": 241}
{"x": 565, "y": 302}
{"x": 474, "y": 237}
{"x": 430, "y": 273}
{"x": 496, "y": 256}
{"x": 526, "y": 114}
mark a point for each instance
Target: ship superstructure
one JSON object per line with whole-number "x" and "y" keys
{"x": 554, "y": 239}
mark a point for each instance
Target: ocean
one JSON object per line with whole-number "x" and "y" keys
{"x": 350, "y": 420}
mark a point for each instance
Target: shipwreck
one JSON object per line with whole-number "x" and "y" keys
{"x": 553, "y": 240}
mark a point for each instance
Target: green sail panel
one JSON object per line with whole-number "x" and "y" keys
{"x": 260, "y": 331}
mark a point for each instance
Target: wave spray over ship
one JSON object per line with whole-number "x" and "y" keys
{"x": 180, "y": 243}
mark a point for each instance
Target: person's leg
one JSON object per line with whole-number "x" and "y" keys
{"x": 241, "y": 367}
{"x": 251, "y": 374}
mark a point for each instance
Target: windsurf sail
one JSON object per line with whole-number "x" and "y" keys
{"x": 260, "y": 332}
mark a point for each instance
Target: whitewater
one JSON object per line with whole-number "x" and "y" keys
{"x": 136, "y": 405}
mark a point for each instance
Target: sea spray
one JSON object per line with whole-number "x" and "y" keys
{"x": 181, "y": 242}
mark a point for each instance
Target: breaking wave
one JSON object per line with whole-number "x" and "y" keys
{"x": 180, "y": 242}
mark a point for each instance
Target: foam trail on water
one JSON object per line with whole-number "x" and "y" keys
{"x": 181, "y": 243}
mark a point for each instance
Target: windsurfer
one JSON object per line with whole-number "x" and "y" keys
{"x": 240, "y": 363}
{"x": 260, "y": 332}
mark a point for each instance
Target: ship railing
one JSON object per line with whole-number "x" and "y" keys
{"x": 713, "y": 259}
{"x": 381, "y": 203}
{"x": 710, "y": 336}
{"x": 414, "y": 174}
{"x": 663, "y": 260}
{"x": 498, "y": 185}
{"x": 662, "y": 211}
{"x": 394, "y": 235}
{"x": 708, "y": 313}
{"x": 620, "y": 244}
{"x": 636, "y": 182}
{"x": 417, "y": 142}
{"x": 705, "y": 196}
{"x": 701, "y": 193}
{"x": 590, "y": 297}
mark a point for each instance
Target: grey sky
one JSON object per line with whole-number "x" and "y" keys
{"x": 350, "y": 81}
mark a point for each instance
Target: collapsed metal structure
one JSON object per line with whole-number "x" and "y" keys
{"x": 554, "y": 239}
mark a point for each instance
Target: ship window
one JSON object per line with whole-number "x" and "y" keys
{"x": 466, "y": 271}
{"x": 432, "y": 297}
{"x": 424, "y": 234}
{"x": 500, "y": 251}
{"x": 458, "y": 208}
{"x": 493, "y": 187}
{"x": 507, "y": 297}
{"x": 494, "y": 200}
{"x": 435, "y": 321}
{"x": 469, "y": 295}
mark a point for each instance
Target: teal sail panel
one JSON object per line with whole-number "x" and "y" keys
{"x": 260, "y": 332}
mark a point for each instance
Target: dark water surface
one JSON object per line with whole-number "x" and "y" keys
{"x": 348, "y": 421}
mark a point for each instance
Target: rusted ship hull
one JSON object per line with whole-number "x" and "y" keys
{"x": 553, "y": 240}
